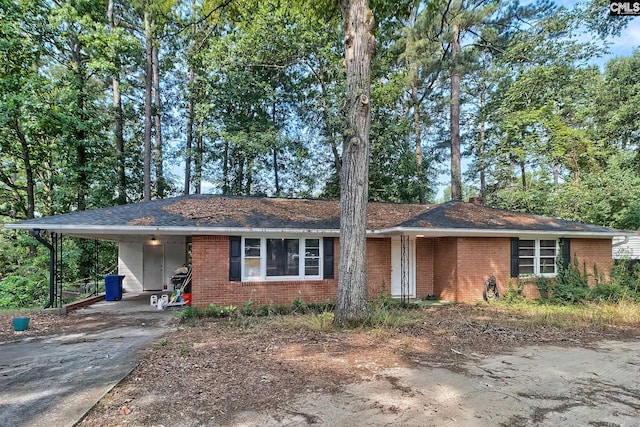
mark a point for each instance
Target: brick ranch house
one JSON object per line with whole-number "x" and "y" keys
{"x": 271, "y": 250}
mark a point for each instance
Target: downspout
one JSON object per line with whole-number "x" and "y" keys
{"x": 36, "y": 234}
{"x": 624, "y": 242}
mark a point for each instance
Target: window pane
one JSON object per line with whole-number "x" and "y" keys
{"x": 312, "y": 244}
{"x": 525, "y": 269}
{"x": 312, "y": 257}
{"x": 547, "y": 252}
{"x": 526, "y": 262}
{"x": 548, "y": 244}
{"x": 283, "y": 257}
{"x": 526, "y": 248}
{"x": 548, "y": 269}
{"x": 274, "y": 246}
{"x": 547, "y": 265}
{"x": 252, "y": 247}
{"x": 252, "y": 267}
{"x": 292, "y": 257}
{"x": 526, "y": 252}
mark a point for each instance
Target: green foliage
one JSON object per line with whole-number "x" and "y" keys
{"x": 22, "y": 292}
{"x": 219, "y": 312}
{"x": 190, "y": 313}
{"x": 607, "y": 292}
{"x": 514, "y": 293}
{"x": 545, "y": 288}
{"x": 625, "y": 274}
{"x": 571, "y": 285}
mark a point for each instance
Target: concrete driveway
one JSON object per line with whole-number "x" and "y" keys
{"x": 54, "y": 380}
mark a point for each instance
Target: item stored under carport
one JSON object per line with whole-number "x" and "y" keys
{"x": 113, "y": 287}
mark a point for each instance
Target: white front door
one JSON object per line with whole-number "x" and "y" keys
{"x": 409, "y": 264}
{"x": 152, "y": 267}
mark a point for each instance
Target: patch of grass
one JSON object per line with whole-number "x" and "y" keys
{"x": 589, "y": 314}
{"x": 163, "y": 342}
{"x": 319, "y": 322}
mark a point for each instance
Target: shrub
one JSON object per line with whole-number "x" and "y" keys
{"x": 608, "y": 292}
{"x": 514, "y": 293}
{"x": 545, "y": 288}
{"x": 21, "y": 292}
{"x": 190, "y": 313}
{"x": 571, "y": 286}
{"x": 626, "y": 274}
{"x": 216, "y": 311}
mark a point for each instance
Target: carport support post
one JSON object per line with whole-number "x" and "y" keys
{"x": 52, "y": 264}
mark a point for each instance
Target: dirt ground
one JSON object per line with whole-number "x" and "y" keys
{"x": 456, "y": 365}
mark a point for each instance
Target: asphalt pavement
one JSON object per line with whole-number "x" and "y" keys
{"x": 54, "y": 380}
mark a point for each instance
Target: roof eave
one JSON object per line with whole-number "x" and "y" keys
{"x": 166, "y": 230}
{"x": 478, "y": 232}
{"x": 414, "y": 231}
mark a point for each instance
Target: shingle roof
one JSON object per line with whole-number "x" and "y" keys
{"x": 215, "y": 211}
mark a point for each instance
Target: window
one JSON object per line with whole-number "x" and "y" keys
{"x": 537, "y": 257}
{"x": 312, "y": 257}
{"x": 281, "y": 258}
{"x": 252, "y": 251}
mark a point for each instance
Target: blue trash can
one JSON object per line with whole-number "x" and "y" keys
{"x": 113, "y": 287}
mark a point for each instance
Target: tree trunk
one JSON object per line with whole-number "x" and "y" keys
{"x": 456, "y": 174}
{"x": 198, "y": 161}
{"x": 417, "y": 136}
{"x": 225, "y": 168}
{"x": 481, "y": 161}
{"x": 351, "y": 307}
{"x": 25, "y": 153}
{"x": 191, "y": 108}
{"x": 275, "y": 152}
{"x": 146, "y": 168}
{"x": 191, "y": 112}
{"x": 118, "y": 118}
{"x": 523, "y": 175}
{"x": 157, "y": 115}
{"x": 30, "y": 186}
{"x": 480, "y": 149}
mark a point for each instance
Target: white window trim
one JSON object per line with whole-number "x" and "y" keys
{"x": 536, "y": 257}
{"x": 263, "y": 260}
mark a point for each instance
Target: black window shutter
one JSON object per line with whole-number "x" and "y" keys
{"x": 515, "y": 261}
{"x": 565, "y": 247}
{"x": 235, "y": 258}
{"x": 328, "y": 258}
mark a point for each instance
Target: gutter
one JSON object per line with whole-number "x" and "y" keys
{"x": 39, "y": 238}
{"x": 229, "y": 231}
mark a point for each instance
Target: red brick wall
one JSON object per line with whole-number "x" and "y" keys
{"x": 378, "y": 266}
{"x": 478, "y": 259}
{"x": 424, "y": 267}
{"x": 445, "y": 268}
{"x": 211, "y": 284}
{"x": 452, "y": 268}
{"x": 210, "y": 262}
{"x": 593, "y": 252}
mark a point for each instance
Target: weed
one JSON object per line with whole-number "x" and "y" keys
{"x": 319, "y": 322}
{"x": 190, "y": 314}
{"x": 163, "y": 342}
{"x": 184, "y": 351}
{"x": 514, "y": 293}
{"x": 218, "y": 312}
